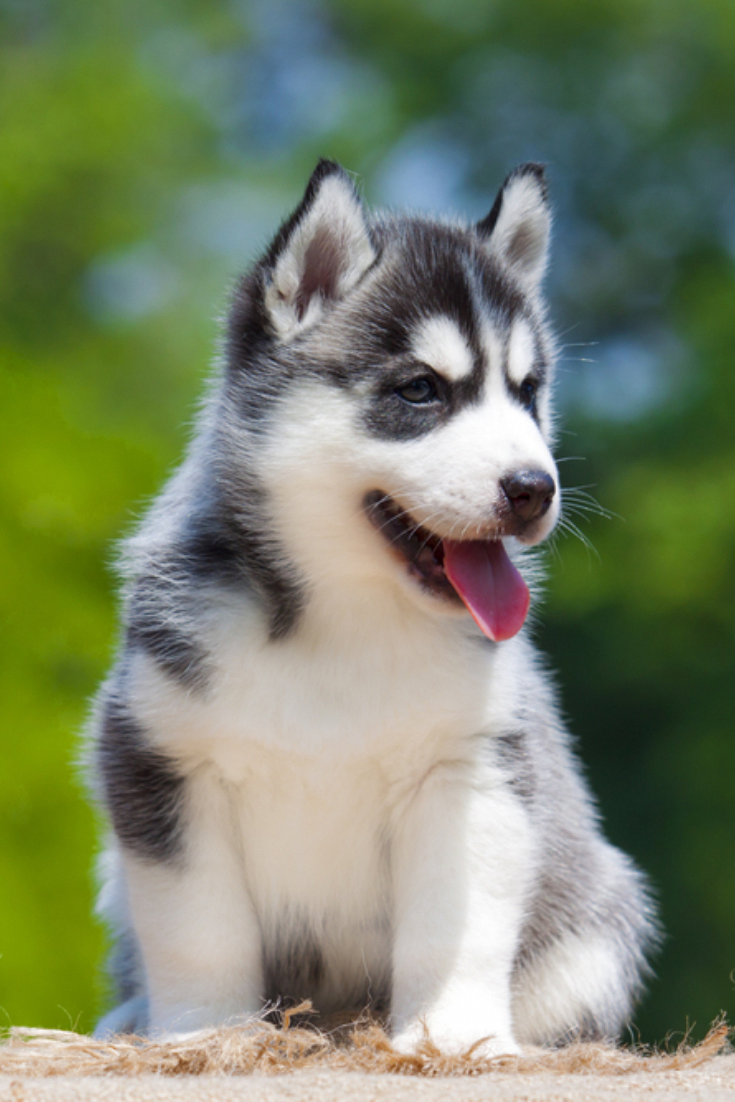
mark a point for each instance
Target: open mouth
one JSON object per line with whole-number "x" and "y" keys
{"x": 476, "y": 572}
{"x": 422, "y": 551}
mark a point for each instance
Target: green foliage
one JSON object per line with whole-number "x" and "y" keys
{"x": 148, "y": 152}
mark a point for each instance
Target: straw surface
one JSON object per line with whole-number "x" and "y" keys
{"x": 264, "y": 1050}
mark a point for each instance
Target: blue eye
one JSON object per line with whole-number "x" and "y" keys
{"x": 418, "y": 391}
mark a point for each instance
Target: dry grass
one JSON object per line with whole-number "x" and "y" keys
{"x": 361, "y": 1046}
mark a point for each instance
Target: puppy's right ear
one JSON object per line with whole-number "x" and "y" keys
{"x": 319, "y": 254}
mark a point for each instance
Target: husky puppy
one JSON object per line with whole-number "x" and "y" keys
{"x": 333, "y": 765}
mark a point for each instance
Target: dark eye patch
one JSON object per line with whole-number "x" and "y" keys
{"x": 408, "y": 402}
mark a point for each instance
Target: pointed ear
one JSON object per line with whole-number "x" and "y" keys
{"x": 517, "y": 228}
{"x": 319, "y": 254}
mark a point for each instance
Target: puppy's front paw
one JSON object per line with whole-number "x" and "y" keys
{"x": 454, "y": 1041}
{"x": 183, "y": 1036}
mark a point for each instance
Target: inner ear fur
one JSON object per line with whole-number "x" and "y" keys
{"x": 319, "y": 254}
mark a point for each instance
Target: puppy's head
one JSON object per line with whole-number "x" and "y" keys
{"x": 396, "y": 373}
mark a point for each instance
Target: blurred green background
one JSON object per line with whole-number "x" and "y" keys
{"x": 148, "y": 151}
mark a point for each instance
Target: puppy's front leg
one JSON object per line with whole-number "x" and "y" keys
{"x": 196, "y": 923}
{"x": 462, "y": 863}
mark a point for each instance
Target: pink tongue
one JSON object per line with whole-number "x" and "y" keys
{"x": 489, "y": 584}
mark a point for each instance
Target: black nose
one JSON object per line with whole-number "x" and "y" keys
{"x": 529, "y": 493}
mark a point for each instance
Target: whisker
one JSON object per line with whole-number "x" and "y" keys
{"x": 386, "y": 524}
{"x": 575, "y": 499}
{"x": 569, "y": 329}
{"x": 465, "y": 527}
{"x": 552, "y": 545}
{"x": 566, "y": 525}
{"x": 429, "y": 534}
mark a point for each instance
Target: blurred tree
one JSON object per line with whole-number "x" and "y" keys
{"x": 148, "y": 152}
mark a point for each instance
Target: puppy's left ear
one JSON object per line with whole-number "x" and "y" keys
{"x": 518, "y": 227}
{"x": 319, "y": 254}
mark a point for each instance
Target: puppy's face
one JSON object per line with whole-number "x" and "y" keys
{"x": 411, "y": 434}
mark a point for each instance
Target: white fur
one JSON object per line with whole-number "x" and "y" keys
{"x": 563, "y": 981}
{"x": 439, "y": 343}
{"x": 199, "y": 928}
{"x": 520, "y": 352}
{"x": 276, "y": 832}
{"x": 458, "y": 912}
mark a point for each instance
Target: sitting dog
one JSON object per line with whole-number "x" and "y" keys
{"x": 333, "y": 765}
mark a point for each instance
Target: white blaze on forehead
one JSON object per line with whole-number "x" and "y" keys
{"x": 439, "y": 343}
{"x": 492, "y": 346}
{"x": 521, "y": 352}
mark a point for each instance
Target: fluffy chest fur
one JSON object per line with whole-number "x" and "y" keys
{"x": 324, "y": 740}
{"x": 365, "y": 678}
